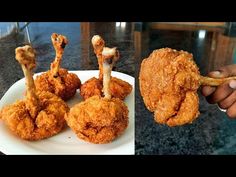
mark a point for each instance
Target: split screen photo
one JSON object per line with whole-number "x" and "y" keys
{"x": 118, "y": 88}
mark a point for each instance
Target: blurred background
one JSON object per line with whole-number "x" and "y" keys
{"x": 212, "y": 45}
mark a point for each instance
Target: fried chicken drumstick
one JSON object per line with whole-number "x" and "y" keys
{"x": 119, "y": 88}
{"x": 168, "y": 81}
{"x": 41, "y": 114}
{"x": 57, "y": 80}
{"x": 99, "y": 119}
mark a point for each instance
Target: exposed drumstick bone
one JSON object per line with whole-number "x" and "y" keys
{"x": 98, "y": 45}
{"x": 26, "y": 57}
{"x": 59, "y": 42}
{"x": 214, "y": 81}
{"x": 109, "y": 57}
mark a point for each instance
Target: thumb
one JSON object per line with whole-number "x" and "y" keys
{"x": 232, "y": 84}
{"x": 225, "y": 71}
{"x": 217, "y": 74}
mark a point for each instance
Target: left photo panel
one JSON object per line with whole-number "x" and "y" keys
{"x": 67, "y": 88}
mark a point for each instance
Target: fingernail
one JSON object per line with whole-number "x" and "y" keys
{"x": 216, "y": 73}
{"x": 232, "y": 84}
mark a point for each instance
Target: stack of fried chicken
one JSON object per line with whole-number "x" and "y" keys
{"x": 101, "y": 118}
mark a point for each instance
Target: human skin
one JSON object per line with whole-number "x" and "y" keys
{"x": 225, "y": 94}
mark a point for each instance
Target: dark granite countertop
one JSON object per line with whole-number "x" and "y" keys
{"x": 78, "y": 53}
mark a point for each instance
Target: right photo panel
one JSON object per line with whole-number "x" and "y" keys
{"x": 185, "y": 94}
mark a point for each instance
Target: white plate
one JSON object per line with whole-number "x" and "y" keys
{"x": 67, "y": 142}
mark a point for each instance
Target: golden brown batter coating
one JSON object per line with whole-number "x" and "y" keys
{"x": 41, "y": 114}
{"x": 57, "y": 80}
{"x": 100, "y": 119}
{"x": 119, "y": 88}
{"x": 48, "y": 122}
{"x": 169, "y": 80}
{"x": 65, "y": 88}
{"x": 91, "y": 88}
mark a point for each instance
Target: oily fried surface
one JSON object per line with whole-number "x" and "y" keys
{"x": 119, "y": 88}
{"x": 98, "y": 120}
{"x": 91, "y": 88}
{"x": 187, "y": 112}
{"x": 64, "y": 87}
{"x": 48, "y": 122}
{"x": 168, "y": 81}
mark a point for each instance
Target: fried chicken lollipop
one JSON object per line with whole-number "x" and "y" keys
{"x": 57, "y": 80}
{"x": 41, "y": 114}
{"x": 168, "y": 81}
{"x": 100, "y": 119}
{"x": 119, "y": 88}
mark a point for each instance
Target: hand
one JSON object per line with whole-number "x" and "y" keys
{"x": 225, "y": 94}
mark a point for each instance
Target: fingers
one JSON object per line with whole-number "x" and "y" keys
{"x": 228, "y": 101}
{"x": 231, "y": 112}
{"x": 225, "y": 71}
{"x": 225, "y": 94}
{"x": 217, "y": 74}
{"x": 207, "y": 90}
{"x": 222, "y": 92}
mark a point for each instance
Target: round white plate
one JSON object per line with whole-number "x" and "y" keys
{"x": 67, "y": 142}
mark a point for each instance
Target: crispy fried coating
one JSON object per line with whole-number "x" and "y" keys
{"x": 65, "y": 88}
{"x": 41, "y": 114}
{"x": 57, "y": 80}
{"x": 118, "y": 88}
{"x": 48, "y": 122}
{"x": 98, "y": 120}
{"x": 91, "y": 88}
{"x": 168, "y": 81}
